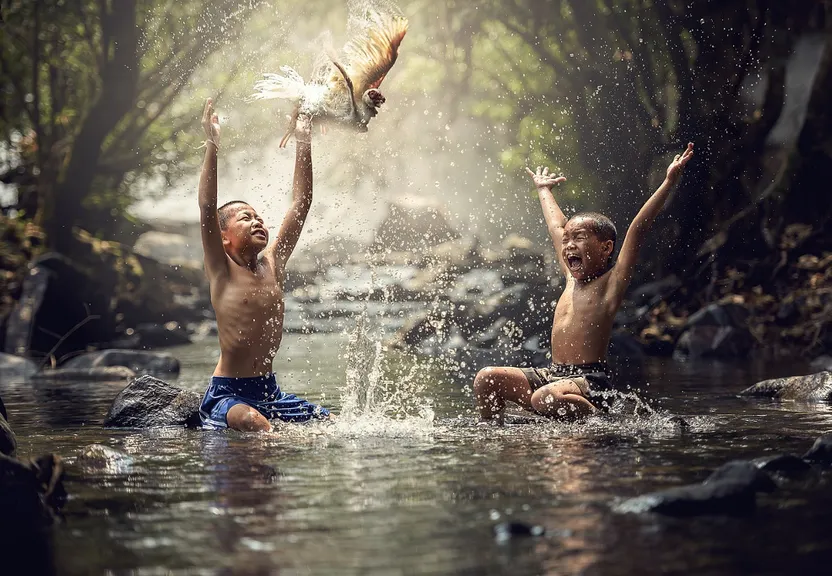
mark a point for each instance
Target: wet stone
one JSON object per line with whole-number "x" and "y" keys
{"x": 12, "y": 366}
{"x": 809, "y": 388}
{"x": 821, "y": 451}
{"x": 138, "y": 361}
{"x": 786, "y": 465}
{"x": 97, "y": 457}
{"x": 100, "y": 374}
{"x": 149, "y": 402}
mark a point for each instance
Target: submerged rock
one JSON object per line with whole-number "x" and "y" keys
{"x": 729, "y": 490}
{"x": 787, "y": 465}
{"x": 139, "y": 361}
{"x": 149, "y": 402}
{"x": 810, "y": 388}
{"x": 705, "y": 341}
{"x": 97, "y": 457}
{"x": 821, "y": 451}
{"x": 102, "y": 374}
{"x": 12, "y": 366}
{"x": 821, "y": 363}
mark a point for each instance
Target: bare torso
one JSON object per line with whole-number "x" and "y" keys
{"x": 583, "y": 321}
{"x": 249, "y": 307}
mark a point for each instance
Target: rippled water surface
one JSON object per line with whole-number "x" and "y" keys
{"x": 373, "y": 494}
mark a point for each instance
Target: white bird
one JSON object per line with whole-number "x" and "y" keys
{"x": 342, "y": 90}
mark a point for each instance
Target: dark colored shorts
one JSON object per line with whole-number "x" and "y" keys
{"x": 593, "y": 380}
{"x": 261, "y": 393}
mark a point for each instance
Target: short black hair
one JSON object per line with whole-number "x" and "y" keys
{"x": 224, "y": 213}
{"x": 600, "y": 225}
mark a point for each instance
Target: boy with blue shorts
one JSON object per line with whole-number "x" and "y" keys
{"x": 245, "y": 272}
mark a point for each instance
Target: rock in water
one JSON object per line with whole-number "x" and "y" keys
{"x": 31, "y": 493}
{"x": 810, "y": 388}
{"x": 103, "y": 374}
{"x": 149, "y": 402}
{"x": 821, "y": 451}
{"x": 99, "y": 458}
{"x": 138, "y": 361}
{"x": 731, "y": 490}
{"x": 786, "y": 465}
{"x": 12, "y": 366}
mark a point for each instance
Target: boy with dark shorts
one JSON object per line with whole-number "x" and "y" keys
{"x": 247, "y": 294}
{"x": 577, "y": 383}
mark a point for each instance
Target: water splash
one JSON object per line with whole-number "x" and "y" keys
{"x": 373, "y": 405}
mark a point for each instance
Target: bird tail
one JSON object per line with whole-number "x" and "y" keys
{"x": 289, "y": 86}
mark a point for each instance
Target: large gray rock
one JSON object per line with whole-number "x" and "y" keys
{"x": 101, "y": 374}
{"x": 810, "y": 388}
{"x": 716, "y": 331}
{"x": 173, "y": 249}
{"x": 149, "y": 402}
{"x": 730, "y": 490}
{"x": 14, "y": 367}
{"x": 138, "y": 361}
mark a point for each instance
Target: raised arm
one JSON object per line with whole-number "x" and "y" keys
{"x": 216, "y": 262}
{"x": 290, "y": 229}
{"x": 555, "y": 219}
{"x": 628, "y": 256}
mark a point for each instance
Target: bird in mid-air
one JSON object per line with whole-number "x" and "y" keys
{"x": 343, "y": 89}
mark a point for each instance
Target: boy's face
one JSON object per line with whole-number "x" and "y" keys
{"x": 585, "y": 254}
{"x": 245, "y": 231}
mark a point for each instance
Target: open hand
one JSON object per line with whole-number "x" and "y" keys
{"x": 211, "y": 123}
{"x": 674, "y": 171}
{"x": 542, "y": 178}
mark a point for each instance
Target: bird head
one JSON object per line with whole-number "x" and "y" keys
{"x": 373, "y": 98}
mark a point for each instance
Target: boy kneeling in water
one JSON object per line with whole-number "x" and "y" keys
{"x": 575, "y": 384}
{"x": 247, "y": 294}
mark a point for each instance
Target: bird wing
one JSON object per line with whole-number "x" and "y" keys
{"x": 369, "y": 57}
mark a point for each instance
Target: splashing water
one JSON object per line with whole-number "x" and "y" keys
{"x": 372, "y": 405}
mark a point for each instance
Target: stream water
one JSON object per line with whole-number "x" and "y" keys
{"x": 407, "y": 482}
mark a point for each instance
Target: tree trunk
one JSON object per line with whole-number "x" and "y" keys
{"x": 120, "y": 76}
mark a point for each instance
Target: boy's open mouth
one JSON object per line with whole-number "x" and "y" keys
{"x": 261, "y": 233}
{"x": 574, "y": 261}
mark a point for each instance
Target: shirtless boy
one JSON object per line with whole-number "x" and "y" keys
{"x": 247, "y": 294}
{"x": 574, "y": 385}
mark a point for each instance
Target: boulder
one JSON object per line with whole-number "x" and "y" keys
{"x": 60, "y": 310}
{"x": 98, "y": 458}
{"x": 138, "y": 361}
{"x": 149, "y": 335}
{"x": 719, "y": 314}
{"x": 102, "y": 374}
{"x": 149, "y": 402}
{"x": 821, "y": 451}
{"x": 707, "y": 341}
{"x": 730, "y": 490}
{"x": 16, "y": 367}
{"x": 625, "y": 345}
{"x": 809, "y": 388}
{"x": 787, "y": 465}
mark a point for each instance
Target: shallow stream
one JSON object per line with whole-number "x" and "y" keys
{"x": 417, "y": 490}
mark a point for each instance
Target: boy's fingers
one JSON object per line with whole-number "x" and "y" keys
{"x": 529, "y": 171}
{"x": 546, "y": 171}
{"x": 539, "y": 170}
{"x": 560, "y": 179}
{"x": 215, "y": 119}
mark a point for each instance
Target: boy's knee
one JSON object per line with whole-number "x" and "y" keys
{"x": 484, "y": 379}
{"x": 247, "y": 419}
